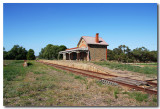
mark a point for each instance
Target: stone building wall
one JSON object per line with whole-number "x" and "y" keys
{"x": 97, "y": 52}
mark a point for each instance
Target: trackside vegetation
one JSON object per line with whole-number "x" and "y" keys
{"x": 43, "y": 85}
{"x": 122, "y": 66}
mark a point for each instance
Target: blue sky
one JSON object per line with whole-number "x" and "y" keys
{"x": 36, "y": 25}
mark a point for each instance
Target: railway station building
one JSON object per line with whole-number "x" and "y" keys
{"x": 88, "y": 49}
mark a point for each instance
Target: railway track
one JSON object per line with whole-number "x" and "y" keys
{"x": 113, "y": 78}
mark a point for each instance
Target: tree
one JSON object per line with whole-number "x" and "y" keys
{"x": 5, "y": 54}
{"x": 61, "y": 48}
{"x": 30, "y": 55}
{"x": 17, "y": 53}
{"x": 151, "y": 56}
{"x": 140, "y": 54}
{"x": 41, "y": 53}
{"x": 122, "y": 53}
{"x": 51, "y": 51}
{"x": 110, "y": 55}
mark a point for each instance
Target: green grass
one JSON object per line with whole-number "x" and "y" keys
{"x": 146, "y": 63}
{"x": 154, "y": 99}
{"x": 138, "y": 96}
{"x": 116, "y": 91}
{"x": 37, "y": 72}
{"x": 79, "y": 77}
{"x": 100, "y": 84}
{"x": 114, "y": 65}
{"x": 13, "y": 69}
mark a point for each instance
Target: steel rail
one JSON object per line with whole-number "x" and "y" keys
{"x": 83, "y": 70}
{"x": 148, "y": 82}
{"x": 80, "y": 72}
{"x": 151, "y": 83}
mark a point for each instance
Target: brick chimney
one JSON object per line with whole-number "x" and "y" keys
{"x": 97, "y": 38}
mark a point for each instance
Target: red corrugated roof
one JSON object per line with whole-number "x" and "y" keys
{"x": 91, "y": 40}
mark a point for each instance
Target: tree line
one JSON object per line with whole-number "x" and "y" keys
{"x": 123, "y": 54}
{"x": 18, "y": 53}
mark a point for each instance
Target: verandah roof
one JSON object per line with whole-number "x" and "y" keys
{"x": 74, "y": 50}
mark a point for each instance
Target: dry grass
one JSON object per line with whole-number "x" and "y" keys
{"x": 147, "y": 69}
{"x": 44, "y": 85}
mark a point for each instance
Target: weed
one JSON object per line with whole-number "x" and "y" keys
{"x": 80, "y": 77}
{"x": 125, "y": 92}
{"x": 87, "y": 87}
{"x": 99, "y": 83}
{"x": 154, "y": 99}
{"x": 115, "y": 94}
{"x": 37, "y": 72}
{"x": 116, "y": 91}
{"x": 138, "y": 96}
